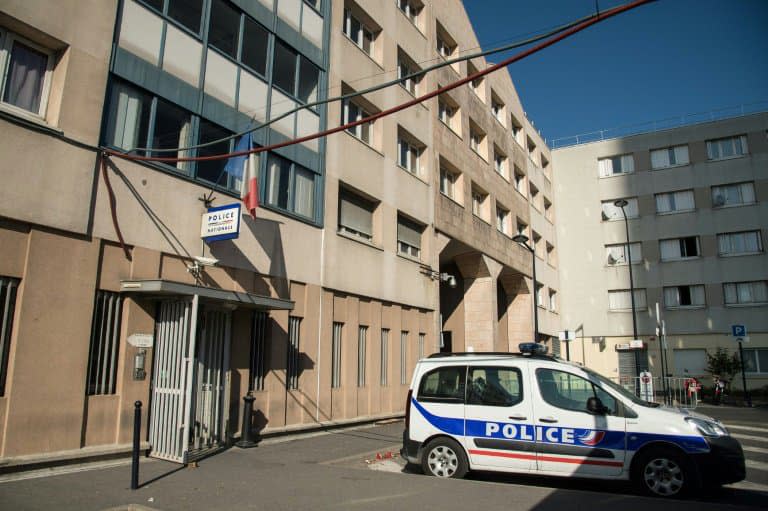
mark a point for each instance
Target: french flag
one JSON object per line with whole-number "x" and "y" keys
{"x": 246, "y": 168}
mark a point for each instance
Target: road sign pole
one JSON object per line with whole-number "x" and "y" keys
{"x": 747, "y": 397}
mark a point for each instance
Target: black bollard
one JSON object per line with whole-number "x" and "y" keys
{"x": 136, "y": 445}
{"x": 245, "y": 433}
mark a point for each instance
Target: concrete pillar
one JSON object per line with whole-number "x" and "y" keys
{"x": 479, "y": 273}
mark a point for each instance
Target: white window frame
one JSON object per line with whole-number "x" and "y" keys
{"x": 631, "y": 209}
{"x": 500, "y": 163}
{"x": 498, "y": 110}
{"x": 411, "y": 10}
{"x": 672, "y": 199}
{"x": 679, "y": 252}
{"x": 552, "y": 300}
{"x": 479, "y": 203}
{"x": 753, "y": 353}
{"x": 409, "y": 156}
{"x": 502, "y": 220}
{"x": 403, "y": 246}
{"x": 714, "y": 147}
{"x": 669, "y": 157}
{"x": 640, "y": 299}
{"x": 696, "y": 292}
{"x": 519, "y": 183}
{"x": 607, "y": 166}
{"x": 362, "y": 132}
{"x": 720, "y": 194}
{"x": 364, "y": 32}
{"x": 448, "y": 181}
{"x": 618, "y": 253}
{"x": 406, "y": 67}
{"x": 728, "y": 243}
{"x": 739, "y": 290}
{"x": 7, "y": 38}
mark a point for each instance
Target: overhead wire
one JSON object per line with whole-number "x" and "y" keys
{"x": 574, "y": 27}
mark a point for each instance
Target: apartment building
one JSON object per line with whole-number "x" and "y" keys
{"x": 370, "y": 248}
{"x": 696, "y": 213}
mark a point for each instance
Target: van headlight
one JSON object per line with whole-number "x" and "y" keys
{"x": 706, "y": 428}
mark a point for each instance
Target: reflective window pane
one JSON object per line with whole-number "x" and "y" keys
{"x": 171, "y": 130}
{"x": 255, "y": 41}
{"x": 212, "y": 171}
{"x": 284, "y": 68}
{"x": 224, "y": 27}
{"x": 309, "y": 75}
{"x": 278, "y": 177}
{"x": 128, "y": 123}
{"x": 187, "y": 13}
{"x": 26, "y": 74}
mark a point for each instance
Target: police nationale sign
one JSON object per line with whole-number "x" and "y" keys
{"x": 221, "y": 223}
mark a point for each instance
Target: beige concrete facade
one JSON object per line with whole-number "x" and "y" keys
{"x": 332, "y": 298}
{"x": 587, "y": 276}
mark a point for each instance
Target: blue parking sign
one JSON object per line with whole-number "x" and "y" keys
{"x": 738, "y": 330}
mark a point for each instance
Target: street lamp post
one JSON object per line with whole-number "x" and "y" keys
{"x": 522, "y": 240}
{"x": 621, "y": 203}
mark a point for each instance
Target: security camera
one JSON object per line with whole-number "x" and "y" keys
{"x": 452, "y": 281}
{"x": 206, "y": 261}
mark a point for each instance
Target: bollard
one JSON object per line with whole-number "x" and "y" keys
{"x": 245, "y": 433}
{"x": 136, "y": 445}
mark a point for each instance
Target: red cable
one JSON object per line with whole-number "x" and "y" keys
{"x": 578, "y": 28}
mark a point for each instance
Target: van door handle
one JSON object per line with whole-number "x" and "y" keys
{"x": 548, "y": 419}
{"x": 518, "y": 417}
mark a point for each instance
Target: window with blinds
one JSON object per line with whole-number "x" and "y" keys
{"x": 615, "y": 165}
{"x": 409, "y": 237}
{"x": 336, "y": 355}
{"x": 684, "y": 296}
{"x": 294, "y": 353}
{"x": 736, "y": 194}
{"x": 675, "y": 202}
{"x": 105, "y": 341}
{"x": 669, "y": 157}
{"x": 8, "y": 289}
{"x": 257, "y": 366}
{"x": 620, "y": 300}
{"x": 679, "y": 248}
{"x": 355, "y": 215}
{"x": 739, "y": 243}
{"x": 729, "y": 147}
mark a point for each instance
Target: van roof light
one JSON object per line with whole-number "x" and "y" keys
{"x": 532, "y": 348}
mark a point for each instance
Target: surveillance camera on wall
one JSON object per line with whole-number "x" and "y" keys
{"x": 206, "y": 261}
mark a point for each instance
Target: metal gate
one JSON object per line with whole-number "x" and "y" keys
{"x": 171, "y": 379}
{"x": 210, "y": 382}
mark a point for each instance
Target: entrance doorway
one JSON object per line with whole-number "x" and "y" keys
{"x": 189, "y": 380}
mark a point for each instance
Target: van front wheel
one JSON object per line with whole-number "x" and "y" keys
{"x": 665, "y": 473}
{"x": 444, "y": 457}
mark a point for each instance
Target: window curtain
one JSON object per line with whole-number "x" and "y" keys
{"x": 697, "y": 295}
{"x": 605, "y": 167}
{"x": 127, "y": 115}
{"x": 355, "y": 214}
{"x": 26, "y": 75}
{"x": 664, "y": 203}
{"x": 618, "y": 300}
{"x": 681, "y": 155}
{"x": 635, "y": 252}
{"x": 730, "y": 293}
{"x": 747, "y": 193}
{"x": 723, "y": 244}
{"x": 659, "y": 159}
{"x": 304, "y": 195}
{"x": 683, "y": 201}
{"x": 627, "y": 163}
{"x": 671, "y": 297}
{"x": 408, "y": 232}
{"x": 670, "y": 249}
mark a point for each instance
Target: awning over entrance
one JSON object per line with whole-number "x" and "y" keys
{"x": 166, "y": 288}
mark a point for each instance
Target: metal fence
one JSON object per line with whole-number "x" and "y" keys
{"x": 673, "y": 390}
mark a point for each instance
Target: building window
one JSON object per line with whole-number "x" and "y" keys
{"x": 498, "y": 109}
{"x": 478, "y": 84}
{"x": 362, "y": 334}
{"x": 224, "y": 35}
{"x": 105, "y": 343}
{"x": 294, "y": 354}
{"x": 540, "y": 295}
{"x": 384, "y": 357}
{"x": 294, "y": 74}
{"x": 409, "y": 237}
{"x": 359, "y": 33}
{"x": 621, "y": 300}
{"x": 355, "y": 215}
{"x": 409, "y": 152}
{"x": 548, "y": 210}
{"x": 729, "y": 147}
{"x": 755, "y": 360}
{"x": 517, "y": 131}
{"x": 553, "y": 300}
{"x": 684, "y": 296}
{"x": 532, "y": 154}
{"x": 353, "y": 112}
{"x": 669, "y": 157}
{"x": 522, "y": 228}
{"x": 257, "y": 367}
{"x": 499, "y": 162}
{"x": 477, "y": 140}
{"x": 422, "y": 341}
{"x": 551, "y": 255}
{"x": 679, "y": 248}
{"x": 448, "y": 182}
{"x": 411, "y": 9}
{"x": 290, "y": 187}
{"x": 614, "y": 165}
{"x": 25, "y": 73}
{"x": 519, "y": 180}
{"x": 737, "y": 194}
{"x": 502, "y": 219}
{"x": 406, "y": 67}
{"x": 534, "y": 197}
{"x": 613, "y": 212}
{"x": 187, "y": 14}
{"x": 445, "y": 44}
{"x": 617, "y": 254}
{"x": 336, "y": 355}
{"x": 739, "y": 243}
{"x": 403, "y": 357}
{"x": 746, "y": 293}
{"x": 303, "y": 18}
{"x": 479, "y": 203}
{"x": 8, "y": 289}
{"x": 675, "y": 202}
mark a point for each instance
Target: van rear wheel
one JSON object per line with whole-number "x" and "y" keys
{"x": 444, "y": 457}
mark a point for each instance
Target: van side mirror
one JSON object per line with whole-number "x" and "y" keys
{"x": 594, "y": 405}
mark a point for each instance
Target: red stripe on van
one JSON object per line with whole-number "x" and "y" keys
{"x": 577, "y": 461}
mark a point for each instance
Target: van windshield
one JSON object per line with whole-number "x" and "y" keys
{"x": 619, "y": 389}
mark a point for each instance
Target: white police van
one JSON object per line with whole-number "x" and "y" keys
{"x": 532, "y": 413}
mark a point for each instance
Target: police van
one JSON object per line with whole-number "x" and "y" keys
{"x": 536, "y": 414}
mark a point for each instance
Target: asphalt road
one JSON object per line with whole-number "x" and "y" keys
{"x": 340, "y": 470}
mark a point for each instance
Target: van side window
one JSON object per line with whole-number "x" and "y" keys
{"x": 494, "y": 386}
{"x": 568, "y": 391}
{"x": 445, "y": 384}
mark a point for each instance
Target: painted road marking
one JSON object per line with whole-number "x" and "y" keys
{"x": 746, "y": 485}
{"x": 757, "y": 465}
{"x": 759, "y": 450}
{"x": 746, "y": 428}
{"x": 751, "y": 437}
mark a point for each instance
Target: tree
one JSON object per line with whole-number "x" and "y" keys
{"x": 723, "y": 364}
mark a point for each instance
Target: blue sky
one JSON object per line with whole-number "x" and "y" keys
{"x": 668, "y": 58}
